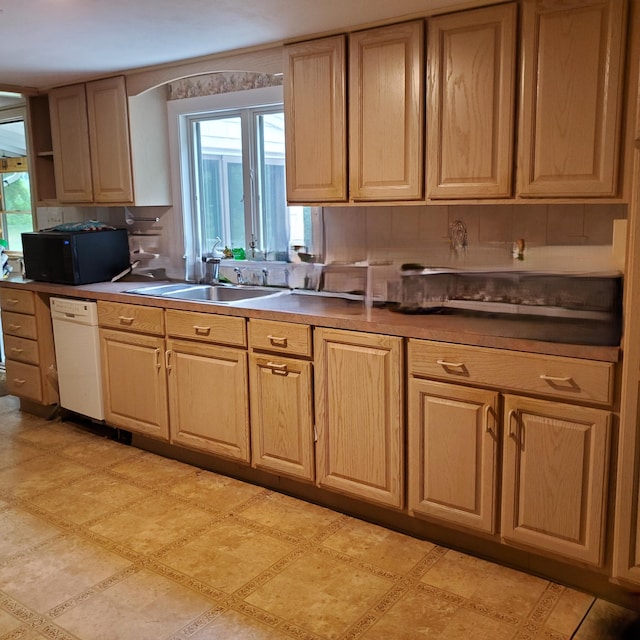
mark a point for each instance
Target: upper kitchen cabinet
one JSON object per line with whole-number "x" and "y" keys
{"x": 572, "y": 68}
{"x": 471, "y": 61}
{"x": 386, "y": 113}
{"x": 384, "y": 140}
{"x": 107, "y": 148}
{"x": 316, "y": 120}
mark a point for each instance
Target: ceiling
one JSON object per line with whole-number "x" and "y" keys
{"x": 44, "y": 43}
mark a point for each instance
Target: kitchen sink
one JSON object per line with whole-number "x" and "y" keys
{"x": 221, "y": 294}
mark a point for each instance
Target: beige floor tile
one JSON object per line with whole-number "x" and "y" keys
{"x": 9, "y": 404}
{"x": 89, "y": 498}
{"x": 378, "y": 546}
{"x": 147, "y": 527}
{"x": 416, "y": 615}
{"x": 237, "y": 626}
{"x": 8, "y": 623}
{"x": 470, "y": 624}
{"x": 506, "y": 590}
{"x": 145, "y": 606}
{"x": 568, "y": 612}
{"x": 227, "y": 556}
{"x": 20, "y": 531}
{"x": 40, "y": 474}
{"x": 56, "y": 434}
{"x": 15, "y": 423}
{"x": 99, "y": 452}
{"x": 606, "y": 621}
{"x": 53, "y": 574}
{"x": 215, "y": 491}
{"x": 14, "y": 452}
{"x": 320, "y": 594}
{"x": 292, "y": 516}
{"x": 153, "y": 470}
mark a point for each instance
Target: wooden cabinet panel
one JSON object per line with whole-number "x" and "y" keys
{"x": 21, "y": 349}
{"x": 208, "y": 398}
{"x": 24, "y": 381}
{"x": 109, "y": 134}
{"x": 359, "y": 415}
{"x": 555, "y": 376}
{"x": 134, "y": 382}
{"x": 131, "y": 317}
{"x": 20, "y": 324}
{"x": 315, "y": 120}
{"x": 572, "y": 68}
{"x": 555, "y": 477}
{"x": 206, "y": 327}
{"x": 17, "y": 301}
{"x": 280, "y": 337}
{"x": 70, "y": 139}
{"x": 471, "y": 103}
{"x": 282, "y": 416}
{"x": 452, "y": 449}
{"x": 386, "y": 113}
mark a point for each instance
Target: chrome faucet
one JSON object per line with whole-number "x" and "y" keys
{"x": 265, "y": 277}
{"x": 239, "y": 275}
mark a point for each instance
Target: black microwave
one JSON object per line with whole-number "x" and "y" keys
{"x": 75, "y": 257}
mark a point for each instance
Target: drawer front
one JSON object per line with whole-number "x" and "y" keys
{"x": 280, "y": 337}
{"x": 24, "y": 380}
{"x": 131, "y": 317}
{"x": 206, "y": 327}
{"x": 21, "y": 349}
{"x": 19, "y": 324}
{"x": 555, "y": 376}
{"x": 19, "y": 301}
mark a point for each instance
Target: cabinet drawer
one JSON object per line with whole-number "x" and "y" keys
{"x": 19, "y": 324}
{"x": 555, "y": 376}
{"x": 207, "y": 327}
{"x": 14, "y": 300}
{"x": 281, "y": 337}
{"x": 21, "y": 349}
{"x": 131, "y": 317}
{"x": 24, "y": 380}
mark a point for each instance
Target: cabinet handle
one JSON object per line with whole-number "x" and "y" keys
{"x": 19, "y": 381}
{"x": 277, "y": 341}
{"x": 280, "y": 369}
{"x": 167, "y": 359}
{"x": 16, "y": 350}
{"x": 15, "y": 327}
{"x": 487, "y": 420}
{"x": 202, "y": 330}
{"x": 452, "y": 365}
{"x": 11, "y": 301}
{"x": 158, "y": 362}
{"x": 510, "y": 417}
{"x": 544, "y": 376}
{"x": 126, "y": 319}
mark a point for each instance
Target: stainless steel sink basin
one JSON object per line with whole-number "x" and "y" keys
{"x": 221, "y": 294}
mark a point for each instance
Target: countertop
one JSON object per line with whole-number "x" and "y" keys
{"x": 533, "y": 335}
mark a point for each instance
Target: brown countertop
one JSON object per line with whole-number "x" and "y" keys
{"x": 539, "y": 335}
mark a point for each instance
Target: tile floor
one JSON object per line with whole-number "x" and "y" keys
{"x": 100, "y": 541}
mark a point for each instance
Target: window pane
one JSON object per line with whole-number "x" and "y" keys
{"x": 17, "y": 196}
{"x": 16, "y": 224}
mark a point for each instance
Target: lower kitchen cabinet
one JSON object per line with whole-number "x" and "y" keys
{"x": 208, "y": 398}
{"x": 134, "y": 382}
{"x": 555, "y": 482}
{"x": 452, "y": 453}
{"x": 359, "y": 415}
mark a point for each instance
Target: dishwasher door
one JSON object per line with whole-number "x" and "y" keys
{"x": 77, "y": 345}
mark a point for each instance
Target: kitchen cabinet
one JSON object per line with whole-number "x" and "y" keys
{"x": 554, "y": 454}
{"x": 555, "y": 477}
{"x": 453, "y": 438}
{"x": 360, "y": 415}
{"x": 316, "y": 120}
{"x": 384, "y": 141}
{"x": 134, "y": 379}
{"x": 281, "y": 398}
{"x": 41, "y": 168}
{"x": 571, "y": 98}
{"x": 107, "y": 148}
{"x": 471, "y": 61}
{"x": 208, "y": 383}
{"x": 28, "y": 346}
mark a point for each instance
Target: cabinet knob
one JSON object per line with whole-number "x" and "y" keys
{"x": 126, "y": 319}
{"x": 277, "y": 341}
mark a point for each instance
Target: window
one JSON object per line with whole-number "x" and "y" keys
{"x": 232, "y": 152}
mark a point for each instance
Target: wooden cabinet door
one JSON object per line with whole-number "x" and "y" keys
{"x": 316, "y": 120}
{"x": 134, "y": 382}
{"x": 570, "y": 112}
{"x": 208, "y": 398}
{"x": 70, "y": 140}
{"x": 555, "y": 477}
{"x": 282, "y": 416}
{"x": 452, "y": 449}
{"x": 359, "y": 415}
{"x": 109, "y": 136}
{"x": 471, "y": 103}
{"x": 386, "y": 113}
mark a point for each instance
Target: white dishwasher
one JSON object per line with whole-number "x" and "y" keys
{"x": 77, "y": 344}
